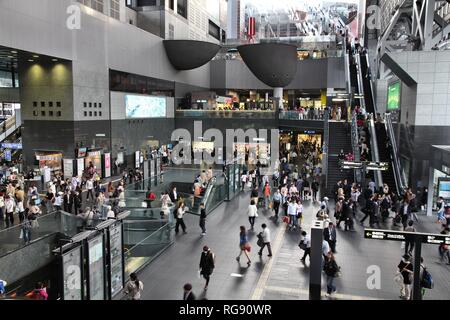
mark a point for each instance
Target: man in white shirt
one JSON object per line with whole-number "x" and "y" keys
{"x": 292, "y": 213}
{"x": 59, "y": 201}
{"x": 90, "y": 189}
{"x": 10, "y": 205}
{"x": 306, "y": 241}
{"x": 265, "y": 236}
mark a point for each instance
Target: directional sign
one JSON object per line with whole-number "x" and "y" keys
{"x": 402, "y": 235}
{"x": 371, "y": 166}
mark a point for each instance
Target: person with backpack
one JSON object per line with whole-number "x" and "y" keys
{"x": 134, "y": 287}
{"x": 331, "y": 270}
{"x": 39, "y": 292}
{"x": 426, "y": 280}
{"x": 207, "y": 265}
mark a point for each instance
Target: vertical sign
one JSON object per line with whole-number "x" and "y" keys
{"x": 116, "y": 258}
{"x": 137, "y": 159}
{"x": 80, "y": 167}
{"x": 107, "y": 165}
{"x": 68, "y": 168}
{"x": 96, "y": 269}
{"x": 8, "y": 155}
{"x": 71, "y": 263}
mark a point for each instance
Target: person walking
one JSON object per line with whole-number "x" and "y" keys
{"x": 252, "y": 213}
{"x": 202, "y": 223}
{"x": 265, "y": 236}
{"x": 179, "y": 216}
{"x": 90, "y": 189}
{"x": 305, "y": 245}
{"x": 39, "y": 292}
{"x": 188, "y": 295}
{"x": 244, "y": 246}
{"x": 276, "y": 203}
{"x": 26, "y": 230}
{"x": 329, "y": 234}
{"x": 331, "y": 269}
{"x": 406, "y": 269}
{"x": 134, "y": 287}
{"x": 10, "y": 206}
{"x": 405, "y": 212}
{"x": 207, "y": 264}
{"x": 267, "y": 194}
{"x": 292, "y": 213}
{"x": 409, "y": 240}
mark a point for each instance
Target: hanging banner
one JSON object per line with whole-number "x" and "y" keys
{"x": 137, "y": 159}
{"x": 107, "y": 165}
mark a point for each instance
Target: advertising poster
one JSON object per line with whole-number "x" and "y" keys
{"x": 107, "y": 165}
{"x": 68, "y": 168}
{"x": 444, "y": 188}
{"x": 137, "y": 159}
{"x": 96, "y": 158}
{"x": 96, "y": 269}
{"x": 8, "y": 155}
{"x": 80, "y": 167}
{"x": 72, "y": 274}
{"x": 394, "y": 96}
{"x": 116, "y": 259}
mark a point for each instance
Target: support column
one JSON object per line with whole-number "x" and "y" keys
{"x": 316, "y": 258}
{"x": 277, "y": 101}
{"x": 430, "y": 192}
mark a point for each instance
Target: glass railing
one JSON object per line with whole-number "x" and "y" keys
{"x": 355, "y": 145}
{"x": 239, "y": 114}
{"x": 217, "y": 196}
{"x": 399, "y": 174}
{"x": 143, "y": 243}
{"x": 307, "y": 115}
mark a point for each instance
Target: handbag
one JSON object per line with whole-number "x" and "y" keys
{"x": 21, "y": 234}
{"x": 247, "y": 247}
{"x": 34, "y": 224}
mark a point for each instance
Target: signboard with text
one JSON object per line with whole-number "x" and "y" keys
{"x": 426, "y": 238}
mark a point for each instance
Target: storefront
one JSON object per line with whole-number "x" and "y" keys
{"x": 95, "y": 157}
{"x": 49, "y": 159}
{"x": 294, "y": 140}
{"x": 439, "y": 177}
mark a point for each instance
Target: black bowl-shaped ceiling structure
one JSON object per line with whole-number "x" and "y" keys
{"x": 189, "y": 54}
{"x": 275, "y": 64}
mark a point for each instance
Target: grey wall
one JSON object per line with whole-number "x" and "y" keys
{"x": 46, "y": 82}
{"x": 9, "y": 95}
{"x": 311, "y": 74}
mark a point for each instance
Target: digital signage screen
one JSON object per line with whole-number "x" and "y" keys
{"x": 145, "y": 107}
{"x": 393, "y": 102}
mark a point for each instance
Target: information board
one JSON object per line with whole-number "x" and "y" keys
{"x": 96, "y": 269}
{"x": 68, "y": 168}
{"x": 116, "y": 258}
{"x": 72, "y": 282}
{"x": 427, "y": 238}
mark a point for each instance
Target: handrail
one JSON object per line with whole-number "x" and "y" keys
{"x": 360, "y": 81}
{"x": 374, "y": 150}
{"x": 399, "y": 174}
{"x": 355, "y": 145}
{"x": 371, "y": 85}
{"x": 208, "y": 191}
{"x": 326, "y": 142}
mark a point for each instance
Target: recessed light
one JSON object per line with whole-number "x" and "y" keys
{"x": 54, "y": 60}
{"x": 35, "y": 56}
{"x": 31, "y": 60}
{"x": 13, "y": 51}
{"x": 10, "y": 57}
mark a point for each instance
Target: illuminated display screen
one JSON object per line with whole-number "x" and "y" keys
{"x": 393, "y": 96}
{"x": 145, "y": 106}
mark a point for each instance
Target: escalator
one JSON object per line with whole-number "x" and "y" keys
{"x": 385, "y": 156}
{"x": 367, "y": 86}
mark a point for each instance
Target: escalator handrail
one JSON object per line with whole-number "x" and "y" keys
{"x": 366, "y": 56}
{"x": 375, "y": 151}
{"x": 398, "y": 173}
{"x": 360, "y": 81}
{"x": 326, "y": 146}
{"x": 355, "y": 145}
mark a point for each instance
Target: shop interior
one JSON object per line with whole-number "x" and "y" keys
{"x": 295, "y": 140}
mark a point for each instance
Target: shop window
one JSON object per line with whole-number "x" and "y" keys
{"x": 58, "y": 114}
{"x": 35, "y": 104}
{"x": 43, "y": 113}
{"x": 42, "y": 104}
{"x": 58, "y": 104}
{"x": 50, "y": 104}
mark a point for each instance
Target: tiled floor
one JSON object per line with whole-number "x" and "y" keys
{"x": 285, "y": 277}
